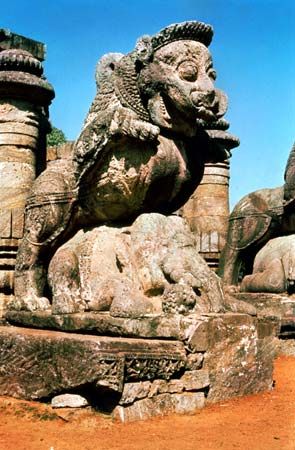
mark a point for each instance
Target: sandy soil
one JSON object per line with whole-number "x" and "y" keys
{"x": 258, "y": 422}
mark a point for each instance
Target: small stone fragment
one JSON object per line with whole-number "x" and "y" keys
{"x": 194, "y": 361}
{"x": 69, "y": 401}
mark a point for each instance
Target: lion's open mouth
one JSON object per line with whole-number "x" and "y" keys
{"x": 205, "y": 114}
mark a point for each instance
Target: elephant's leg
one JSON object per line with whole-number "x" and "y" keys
{"x": 45, "y": 221}
{"x": 64, "y": 280}
{"x": 30, "y": 275}
{"x": 272, "y": 279}
{"x": 230, "y": 266}
{"x": 32, "y": 258}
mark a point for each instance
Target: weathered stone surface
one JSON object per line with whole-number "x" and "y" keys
{"x": 238, "y": 362}
{"x": 188, "y": 402}
{"x": 164, "y": 326}
{"x": 135, "y": 391}
{"x": 69, "y": 401}
{"x": 266, "y": 304}
{"x": 238, "y": 306}
{"x": 207, "y": 211}
{"x": 194, "y": 361}
{"x": 190, "y": 381}
{"x": 158, "y": 387}
{"x": 163, "y": 404}
{"x": 63, "y": 151}
{"x": 10, "y": 40}
{"x": 195, "y": 380}
{"x": 130, "y": 269}
{"x": 149, "y": 268}
{"x": 285, "y": 347}
{"x": 36, "y": 364}
{"x": 198, "y": 335}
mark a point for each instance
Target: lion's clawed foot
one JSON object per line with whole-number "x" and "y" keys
{"x": 125, "y": 123}
{"x": 31, "y": 302}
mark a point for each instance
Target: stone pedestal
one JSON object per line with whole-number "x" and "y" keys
{"x": 207, "y": 211}
{"x": 273, "y": 305}
{"x": 24, "y": 99}
{"x": 180, "y": 363}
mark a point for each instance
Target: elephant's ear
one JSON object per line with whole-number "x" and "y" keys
{"x": 245, "y": 230}
{"x": 289, "y": 176}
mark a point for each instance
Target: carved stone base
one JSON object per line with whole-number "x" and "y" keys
{"x": 276, "y": 305}
{"x": 212, "y": 358}
{"x": 269, "y": 304}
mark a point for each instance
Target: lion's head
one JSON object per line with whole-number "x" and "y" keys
{"x": 169, "y": 79}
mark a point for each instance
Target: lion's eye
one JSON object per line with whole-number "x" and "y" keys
{"x": 188, "y": 72}
{"x": 212, "y": 74}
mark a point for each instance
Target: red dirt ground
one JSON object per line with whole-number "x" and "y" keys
{"x": 259, "y": 422}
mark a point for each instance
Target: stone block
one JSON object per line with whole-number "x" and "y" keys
{"x": 277, "y": 305}
{"x": 172, "y": 326}
{"x": 163, "y": 404}
{"x": 198, "y": 336}
{"x": 268, "y": 326}
{"x": 239, "y": 363}
{"x": 38, "y": 363}
{"x": 135, "y": 391}
{"x": 158, "y": 387}
{"x": 195, "y": 380}
{"x": 174, "y": 386}
{"x": 188, "y": 402}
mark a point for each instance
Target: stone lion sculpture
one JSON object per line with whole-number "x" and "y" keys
{"x": 155, "y": 120}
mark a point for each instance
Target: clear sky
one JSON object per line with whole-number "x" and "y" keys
{"x": 253, "y": 50}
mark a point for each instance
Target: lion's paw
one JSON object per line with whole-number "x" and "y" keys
{"x": 30, "y": 303}
{"x": 125, "y": 123}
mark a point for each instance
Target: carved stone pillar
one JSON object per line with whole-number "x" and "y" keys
{"x": 24, "y": 98}
{"x": 207, "y": 211}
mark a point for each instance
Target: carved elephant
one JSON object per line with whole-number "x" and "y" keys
{"x": 257, "y": 218}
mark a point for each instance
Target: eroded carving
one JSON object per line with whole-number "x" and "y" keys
{"x": 149, "y": 268}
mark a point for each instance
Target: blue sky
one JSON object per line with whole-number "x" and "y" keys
{"x": 253, "y": 51}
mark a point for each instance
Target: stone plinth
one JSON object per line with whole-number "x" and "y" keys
{"x": 266, "y": 304}
{"x": 280, "y": 306}
{"x": 24, "y": 98}
{"x": 207, "y": 211}
{"x": 202, "y": 359}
